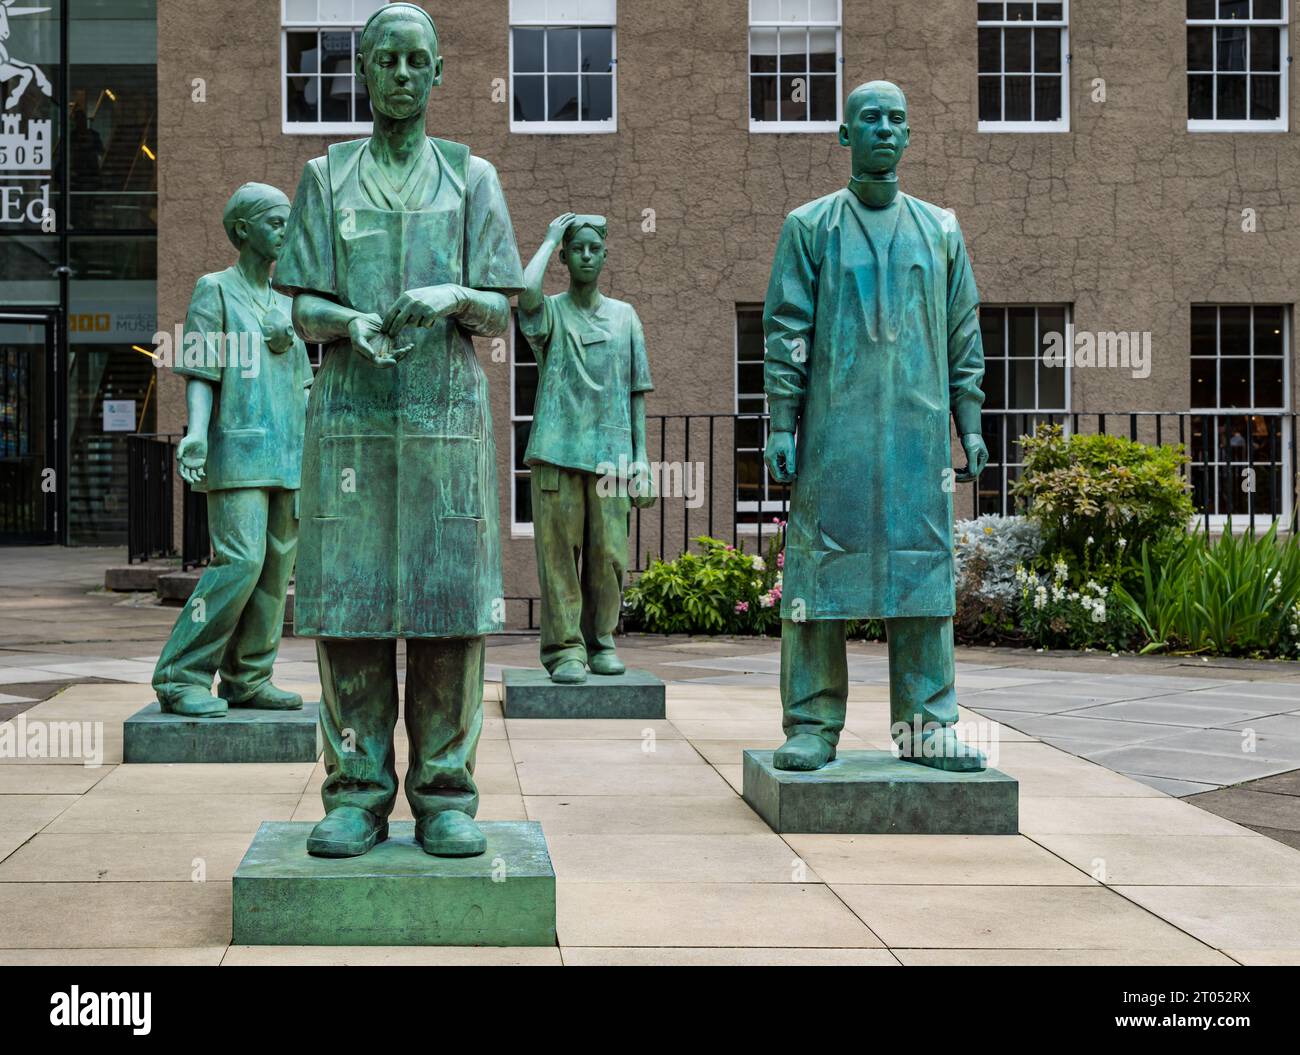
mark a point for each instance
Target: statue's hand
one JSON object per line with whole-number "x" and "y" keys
{"x": 371, "y": 343}
{"x": 192, "y": 457}
{"x": 977, "y": 457}
{"x": 640, "y": 485}
{"x": 779, "y": 456}
{"x": 555, "y": 232}
{"x": 421, "y": 307}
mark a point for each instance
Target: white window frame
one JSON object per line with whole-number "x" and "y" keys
{"x": 518, "y": 528}
{"x": 1062, "y": 124}
{"x": 787, "y": 127}
{"x": 1278, "y": 124}
{"x": 1064, "y": 411}
{"x": 765, "y": 505}
{"x": 287, "y": 25}
{"x": 562, "y": 20}
{"x": 1241, "y": 521}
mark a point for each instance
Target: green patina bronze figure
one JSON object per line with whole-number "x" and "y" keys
{"x": 399, "y": 249}
{"x": 873, "y": 340}
{"x": 586, "y": 448}
{"x": 248, "y": 377}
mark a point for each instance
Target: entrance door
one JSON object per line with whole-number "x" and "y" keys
{"x": 29, "y": 462}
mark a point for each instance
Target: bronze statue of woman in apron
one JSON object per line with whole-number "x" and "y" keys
{"x": 399, "y": 250}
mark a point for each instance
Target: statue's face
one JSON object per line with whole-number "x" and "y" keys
{"x": 265, "y": 234}
{"x": 585, "y": 256}
{"x": 400, "y": 68}
{"x": 875, "y": 129}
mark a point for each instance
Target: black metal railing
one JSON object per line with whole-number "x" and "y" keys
{"x": 151, "y": 482}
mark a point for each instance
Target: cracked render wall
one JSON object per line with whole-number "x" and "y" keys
{"x": 1127, "y": 217}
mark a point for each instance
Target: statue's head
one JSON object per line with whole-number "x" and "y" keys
{"x": 583, "y": 248}
{"x": 875, "y": 127}
{"x": 398, "y": 58}
{"x": 255, "y": 218}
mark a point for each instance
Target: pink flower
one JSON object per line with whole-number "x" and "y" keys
{"x": 776, "y": 591}
{"x": 780, "y": 559}
{"x": 742, "y": 606}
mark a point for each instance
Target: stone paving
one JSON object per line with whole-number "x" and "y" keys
{"x": 658, "y": 860}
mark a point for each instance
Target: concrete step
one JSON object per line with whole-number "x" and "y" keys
{"x": 142, "y": 577}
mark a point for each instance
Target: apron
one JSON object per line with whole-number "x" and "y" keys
{"x": 400, "y": 525}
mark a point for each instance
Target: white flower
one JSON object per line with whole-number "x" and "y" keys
{"x": 1090, "y": 540}
{"x": 1123, "y": 542}
{"x": 759, "y": 565}
{"x": 1040, "y": 597}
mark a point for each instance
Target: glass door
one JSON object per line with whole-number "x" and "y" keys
{"x": 29, "y": 472}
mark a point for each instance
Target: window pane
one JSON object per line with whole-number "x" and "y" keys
{"x": 1268, "y": 8}
{"x": 992, "y": 12}
{"x": 794, "y": 10}
{"x": 336, "y": 99}
{"x": 992, "y": 327}
{"x": 749, "y": 377}
{"x": 1234, "y": 8}
{"x": 990, "y": 51}
{"x": 822, "y": 98}
{"x": 529, "y": 98}
{"x": 765, "y": 10}
{"x": 525, "y": 389}
{"x": 1024, "y": 336}
{"x": 762, "y": 50}
{"x": 1200, "y": 97}
{"x": 1230, "y": 97}
{"x": 794, "y": 48}
{"x": 1051, "y": 13}
{"x": 1264, "y": 48}
{"x": 1234, "y": 382}
{"x": 597, "y": 50}
{"x": 1020, "y": 12}
{"x": 794, "y": 98}
{"x": 361, "y": 101}
{"x": 300, "y": 11}
{"x": 762, "y": 98}
{"x": 1050, "y": 320}
{"x": 1268, "y": 330}
{"x": 1268, "y": 383}
{"x": 1203, "y": 390}
{"x": 1200, "y": 48}
{"x": 528, "y": 49}
{"x": 1017, "y": 50}
{"x": 821, "y": 48}
{"x": 300, "y": 103}
{"x": 1047, "y": 98}
{"x": 995, "y": 380}
{"x": 562, "y": 98}
{"x": 603, "y": 10}
{"x": 523, "y": 499}
{"x": 561, "y": 50}
{"x": 301, "y": 54}
{"x": 522, "y": 429}
{"x": 1017, "y": 101}
{"x": 824, "y": 11}
{"x": 336, "y": 52}
{"x": 1205, "y": 328}
{"x": 1047, "y": 51}
{"x": 1234, "y": 330}
{"x": 1020, "y": 393}
{"x": 1200, "y": 8}
{"x": 1265, "y": 97}
{"x": 1231, "y": 49}
{"x": 597, "y": 97}
{"x": 991, "y": 98}
{"x": 1051, "y": 386}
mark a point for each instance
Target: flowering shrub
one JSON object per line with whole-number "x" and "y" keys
{"x": 986, "y": 553}
{"x": 720, "y": 590}
{"x": 1096, "y": 497}
{"x": 1053, "y": 614}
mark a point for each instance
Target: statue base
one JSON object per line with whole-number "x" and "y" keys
{"x": 875, "y": 793}
{"x": 396, "y": 894}
{"x": 242, "y": 734}
{"x": 633, "y": 694}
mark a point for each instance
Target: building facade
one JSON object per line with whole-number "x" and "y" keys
{"x": 1125, "y": 176}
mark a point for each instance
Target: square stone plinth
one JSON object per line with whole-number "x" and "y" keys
{"x": 874, "y": 793}
{"x": 242, "y": 734}
{"x": 396, "y": 894}
{"x": 532, "y": 694}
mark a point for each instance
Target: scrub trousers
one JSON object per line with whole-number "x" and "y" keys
{"x": 581, "y": 541}
{"x": 815, "y": 676}
{"x": 358, "y": 717}
{"x": 232, "y": 623}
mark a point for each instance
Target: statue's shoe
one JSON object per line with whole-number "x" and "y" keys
{"x": 346, "y": 831}
{"x": 450, "y": 834}
{"x": 569, "y": 672}
{"x": 940, "y": 749}
{"x": 193, "y": 703}
{"x": 267, "y": 698}
{"x": 606, "y": 663}
{"x": 803, "y": 751}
